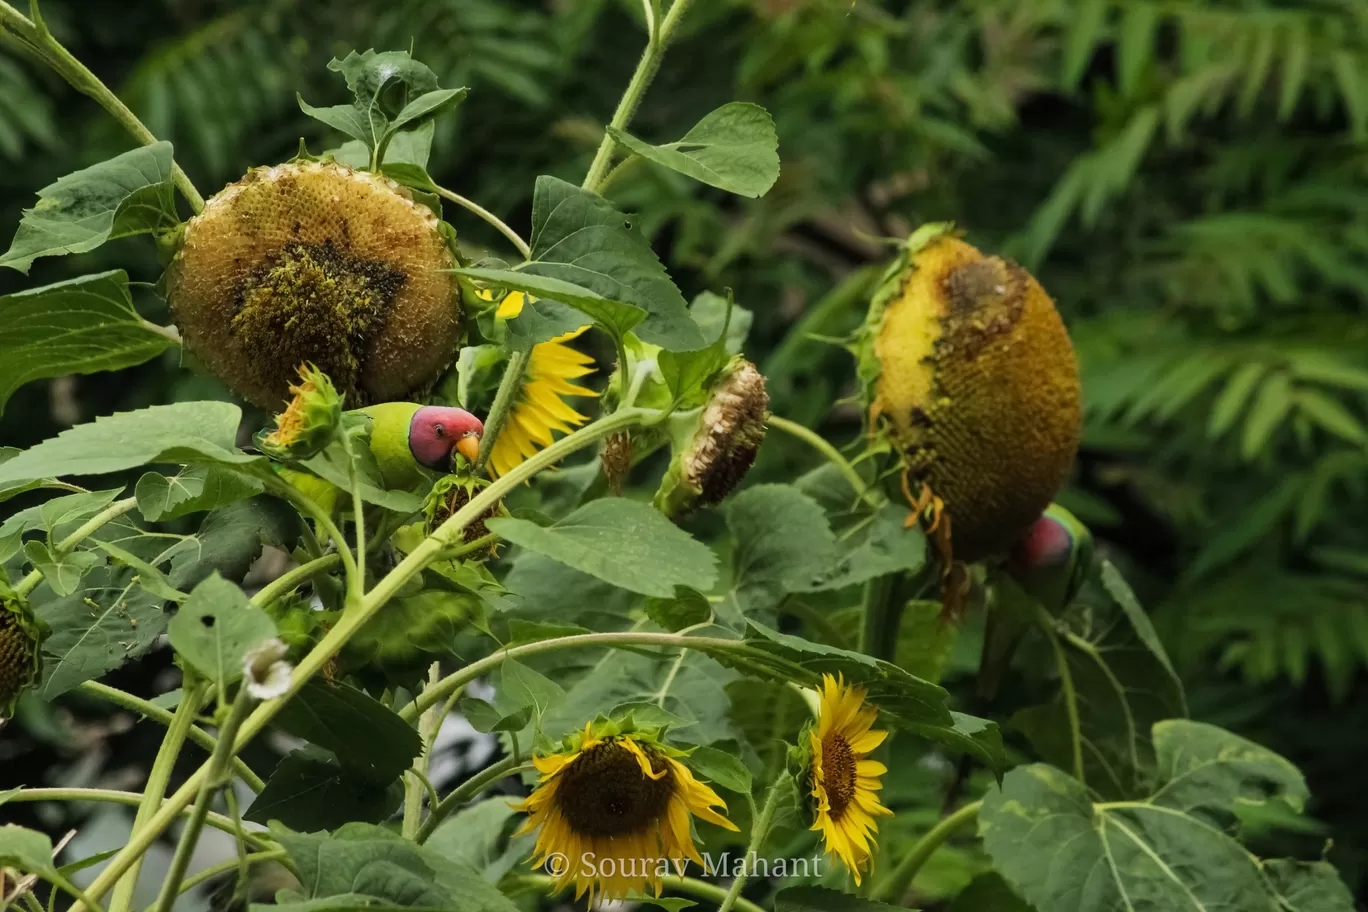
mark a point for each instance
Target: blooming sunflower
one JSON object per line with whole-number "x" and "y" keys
{"x": 612, "y": 810}
{"x": 845, "y": 784}
{"x": 540, "y": 408}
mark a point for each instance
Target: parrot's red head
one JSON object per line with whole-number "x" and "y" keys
{"x": 1046, "y": 544}
{"x": 437, "y": 430}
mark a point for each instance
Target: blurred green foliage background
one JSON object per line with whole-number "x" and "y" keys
{"x": 1189, "y": 179}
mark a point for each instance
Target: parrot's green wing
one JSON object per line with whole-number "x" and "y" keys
{"x": 389, "y": 442}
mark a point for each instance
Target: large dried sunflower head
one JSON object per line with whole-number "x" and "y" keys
{"x": 317, "y": 262}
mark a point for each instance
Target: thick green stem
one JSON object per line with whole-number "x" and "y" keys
{"x": 354, "y": 618}
{"x": 157, "y": 780}
{"x": 79, "y": 77}
{"x": 510, "y": 386}
{"x": 471, "y": 206}
{"x": 132, "y": 799}
{"x": 833, "y": 455}
{"x": 461, "y": 678}
{"x": 509, "y": 766}
{"x": 897, "y": 882}
{"x": 216, "y": 776}
{"x": 636, "y": 90}
{"x": 88, "y": 528}
{"x": 292, "y": 579}
{"x": 223, "y": 867}
{"x": 414, "y": 786}
{"x": 154, "y": 712}
{"x": 878, "y": 596}
{"x": 356, "y": 583}
{"x": 283, "y": 489}
{"x": 1047, "y": 625}
{"x": 759, "y": 829}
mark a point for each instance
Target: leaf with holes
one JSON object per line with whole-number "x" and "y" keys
{"x": 216, "y": 628}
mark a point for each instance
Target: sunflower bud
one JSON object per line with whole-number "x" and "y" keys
{"x": 972, "y": 379}
{"x": 316, "y": 262}
{"x": 722, "y": 445}
{"x": 21, "y": 636}
{"x": 310, "y": 422}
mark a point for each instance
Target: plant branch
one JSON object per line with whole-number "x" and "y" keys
{"x": 1047, "y": 625}
{"x": 291, "y": 579}
{"x": 759, "y": 830}
{"x": 154, "y": 712}
{"x": 80, "y": 78}
{"x": 90, "y": 527}
{"x": 414, "y": 787}
{"x": 895, "y": 885}
{"x": 510, "y": 385}
{"x": 283, "y": 489}
{"x": 158, "y": 777}
{"x": 223, "y": 867}
{"x": 641, "y": 80}
{"x": 498, "y": 223}
{"x": 214, "y": 779}
{"x": 509, "y": 766}
{"x": 132, "y": 799}
{"x": 833, "y": 455}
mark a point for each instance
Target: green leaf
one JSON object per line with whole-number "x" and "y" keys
{"x": 474, "y": 836}
{"x": 342, "y": 902}
{"x": 780, "y": 541}
{"x": 1171, "y": 850}
{"x": 721, "y": 767}
{"x": 28, "y": 850}
{"x": 311, "y": 790}
{"x": 541, "y": 320}
{"x": 62, "y": 572}
{"x": 483, "y": 717}
{"x": 584, "y": 254}
{"x": 1084, "y": 26}
{"x": 343, "y": 118}
{"x": 522, "y": 689}
{"x": 57, "y": 517}
{"x": 620, "y": 541}
{"x": 687, "y": 608}
{"x": 332, "y": 465}
{"x": 366, "y": 736}
{"x": 79, "y": 326}
{"x": 14, "y": 490}
{"x": 231, "y": 538}
{"x": 216, "y": 628}
{"x": 427, "y": 105}
{"x": 824, "y": 899}
{"x": 126, "y": 195}
{"x": 1308, "y": 886}
{"x": 615, "y": 316}
{"x": 191, "y": 490}
{"x": 149, "y": 577}
{"x": 734, "y": 148}
{"x": 184, "y": 432}
{"x": 873, "y": 546}
{"x": 989, "y": 892}
{"x": 96, "y": 629}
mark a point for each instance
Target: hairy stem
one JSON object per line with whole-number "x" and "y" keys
{"x": 510, "y": 385}
{"x": 216, "y": 777}
{"x": 132, "y": 799}
{"x": 833, "y": 455}
{"x": 636, "y": 89}
{"x": 901, "y": 877}
{"x": 759, "y": 830}
{"x": 498, "y": 223}
{"x": 353, "y": 619}
{"x": 196, "y": 735}
{"x": 356, "y": 583}
{"x": 157, "y": 779}
{"x": 1047, "y": 625}
{"x": 90, "y": 527}
{"x": 79, "y": 77}
{"x": 509, "y": 766}
{"x": 291, "y": 579}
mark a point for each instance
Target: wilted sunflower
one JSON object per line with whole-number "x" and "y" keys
{"x": 612, "y": 809}
{"x": 540, "y": 408}
{"x": 845, "y": 784}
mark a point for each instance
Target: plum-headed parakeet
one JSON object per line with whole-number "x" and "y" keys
{"x": 406, "y": 438}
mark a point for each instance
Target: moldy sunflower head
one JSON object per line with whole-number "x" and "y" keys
{"x": 317, "y": 262}
{"x": 974, "y": 381}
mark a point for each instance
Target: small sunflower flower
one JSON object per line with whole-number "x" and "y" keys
{"x": 845, "y": 784}
{"x": 310, "y": 421}
{"x": 612, "y": 811}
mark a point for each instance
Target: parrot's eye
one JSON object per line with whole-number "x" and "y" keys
{"x": 439, "y": 431}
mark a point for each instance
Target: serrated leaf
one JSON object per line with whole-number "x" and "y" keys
{"x": 62, "y": 572}
{"x": 343, "y": 118}
{"x": 520, "y": 688}
{"x": 474, "y": 835}
{"x": 184, "y": 432}
{"x": 191, "y": 490}
{"x": 780, "y": 540}
{"x": 620, "y": 541}
{"x": 734, "y": 148}
{"x": 216, "y": 628}
{"x": 483, "y": 717}
{"x": 311, "y": 790}
{"x": 687, "y": 608}
{"x": 721, "y": 767}
{"x": 540, "y": 321}
{"x": 367, "y": 737}
{"x": 126, "y": 195}
{"x": 427, "y": 105}
{"x": 874, "y": 546}
{"x": 79, "y": 326}
{"x": 57, "y": 517}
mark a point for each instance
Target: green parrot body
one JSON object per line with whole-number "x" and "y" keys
{"x": 389, "y": 443}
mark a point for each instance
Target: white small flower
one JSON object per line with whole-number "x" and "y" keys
{"x": 265, "y": 671}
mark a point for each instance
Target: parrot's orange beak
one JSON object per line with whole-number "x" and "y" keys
{"x": 469, "y": 447}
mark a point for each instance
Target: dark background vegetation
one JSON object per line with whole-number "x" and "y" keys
{"x": 1189, "y": 180}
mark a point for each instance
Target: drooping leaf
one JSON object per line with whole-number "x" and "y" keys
{"x": 216, "y": 628}
{"x": 231, "y": 538}
{"x": 78, "y": 326}
{"x": 989, "y": 892}
{"x": 721, "y": 767}
{"x": 524, "y": 690}
{"x": 126, "y": 195}
{"x": 780, "y": 540}
{"x": 474, "y": 836}
{"x": 585, "y": 255}
{"x": 873, "y": 546}
{"x": 367, "y": 737}
{"x": 311, "y": 790}
{"x": 620, "y": 541}
{"x": 184, "y": 432}
{"x": 191, "y": 490}
{"x": 734, "y": 148}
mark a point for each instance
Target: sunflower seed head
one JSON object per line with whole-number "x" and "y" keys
{"x": 21, "y": 636}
